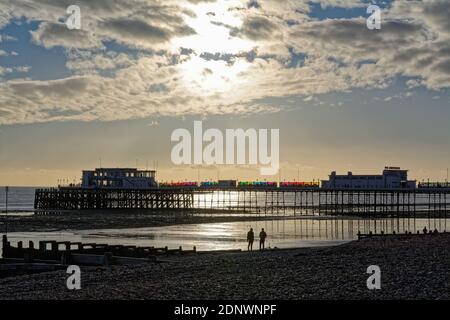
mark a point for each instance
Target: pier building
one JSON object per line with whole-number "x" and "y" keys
{"x": 118, "y": 178}
{"x": 391, "y": 178}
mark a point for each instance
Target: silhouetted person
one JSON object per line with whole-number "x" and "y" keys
{"x": 425, "y": 231}
{"x": 262, "y": 239}
{"x": 250, "y": 239}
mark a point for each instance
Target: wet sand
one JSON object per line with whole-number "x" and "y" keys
{"x": 414, "y": 267}
{"x": 111, "y": 219}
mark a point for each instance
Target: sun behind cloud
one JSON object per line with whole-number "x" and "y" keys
{"x": 217, "y": 58}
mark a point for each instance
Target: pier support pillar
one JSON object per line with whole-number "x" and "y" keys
{"x": 65, "y": 258}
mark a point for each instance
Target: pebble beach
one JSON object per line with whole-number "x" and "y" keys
{"x": 412, "y": 267}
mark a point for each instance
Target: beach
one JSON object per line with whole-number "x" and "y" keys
{"x": 412, "y": 267}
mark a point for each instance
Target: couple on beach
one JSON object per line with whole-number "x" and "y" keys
{"x": 251, "y": 238}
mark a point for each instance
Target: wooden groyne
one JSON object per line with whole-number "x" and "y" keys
{"x": 406, "y": 234}
{"x": 60, "y": 251}
{"x": 63, "y": 253}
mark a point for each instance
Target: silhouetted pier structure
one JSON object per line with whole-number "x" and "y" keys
{"x": 79, "y": 198}
{"x": 274, "y": 201}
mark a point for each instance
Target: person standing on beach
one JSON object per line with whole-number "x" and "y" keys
{"x": 262, "y": 239}
{"x": 250, "y": 239}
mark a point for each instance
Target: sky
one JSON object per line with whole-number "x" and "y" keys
{"x": 345, "y": 98}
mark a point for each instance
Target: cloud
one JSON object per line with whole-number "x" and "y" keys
{"x": 134, "y": 22}
{"x": 139, "y": 33}
{"x": 51, "y": 34}
{"x": 256, "y": 28}
{"x": 135, "y": 92}
{"x": 234, "y": 55}
{"x": 66, "y": 88}
{"x": 4, "y": 38}
{"x": 86, "y": 62}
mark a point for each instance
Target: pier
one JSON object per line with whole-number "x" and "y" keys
{"x": 273, "y": 200}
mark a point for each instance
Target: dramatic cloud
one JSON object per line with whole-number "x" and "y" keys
{"x": 51, "y": 34}
{"x": 256, "y": 28}
{"x": 143, "y": 58}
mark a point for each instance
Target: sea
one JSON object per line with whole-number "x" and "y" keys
{"x": 284, "y": 231}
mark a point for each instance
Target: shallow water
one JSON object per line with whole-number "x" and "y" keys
{"x": 283, "y": 232}
{"x": 19, "y": 199}
{"x": 305, "y": 232}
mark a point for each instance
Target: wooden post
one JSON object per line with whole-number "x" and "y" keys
{"x": 375, "y": 203}
{"x": 5, "y": 246}
{"x": 415, "y": 204}
{"x": 6, "y": 211}
{"x": 65, "y": 256}
{"x": 107, "y": 259}
{"x": 28, "y": 254}
{"x": 295, "y": 201}
{"x": 306, "y": 203}
{"x": 320, "y": 202}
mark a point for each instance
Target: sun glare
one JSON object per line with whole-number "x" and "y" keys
{"x": 212, "y": 23}
{"x": 216, "y": 76}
